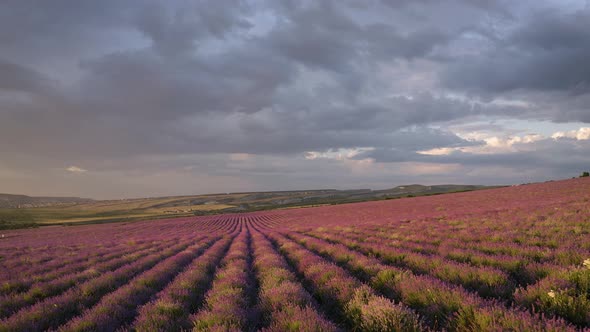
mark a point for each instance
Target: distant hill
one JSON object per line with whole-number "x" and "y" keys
{"x": 418, "y": 189}
{"x": 9, "y": 201}
{"x": 18, "y": 211}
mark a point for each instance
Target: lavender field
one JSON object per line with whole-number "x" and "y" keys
{"x": 508, "y": 259}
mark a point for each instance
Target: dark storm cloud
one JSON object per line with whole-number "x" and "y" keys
{"x": 322, "y": 35}
{"x": 175, "y": 30}
{"x": 145, "y": 83}
{"x": 36, "y": 31}
{"x": 101, "y": 83}
{"x": 138, "y": 100}
{"x": 547, "y": 51}
{"x": 15, "y": 77}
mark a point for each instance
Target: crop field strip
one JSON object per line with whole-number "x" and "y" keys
{"x": 486, "y": 281}
{"x": 171, "y": 308}
{"x": 10, "y": 303}
{"x": 118, "y": 308}
{"x": 560, "y": 255}
{"x": 395, "y": 258}
{"x": 488, "y": 260}
{"x": 442, "y": 305}
{"x": 515, "y": 247}
{"x": 343, "y": 297}
{"x": 285, "y": 305}
{"x": 70, "y": 263}
{"x": 510, "y": 264}
{"x": 19, "y": 266}
{"x": 228, "y": 303}
{"x": 54, "y": 311}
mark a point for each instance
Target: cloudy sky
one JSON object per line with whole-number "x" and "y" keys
{"x": 111, "y": 98}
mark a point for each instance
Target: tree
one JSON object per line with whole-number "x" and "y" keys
{"x": 585, "y": 174}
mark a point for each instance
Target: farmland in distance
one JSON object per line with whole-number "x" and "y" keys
{"x": 506, "y": 259}
{"x": 20, "y": 211}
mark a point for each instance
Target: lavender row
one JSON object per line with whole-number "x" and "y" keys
{"x": 227, "y": 305}
{"x": 171, "y": 309}
{"x": 443, "y": 306}
{"x": 266, "y": 221}
{"x": 565, "y": 293}
{"x": 86, "y": 261}
{"x": 35, "y": 240}
{"x": 11, "y": 275}
{"x": 11, "y": 303}
{"x": 217, "y": 225}
{"x": 56, "y": 310}
{"x": 522, "y": 270}
{"x": 222, "y": 224}
{"x": 284, "y": 303}
{"x": 479, "y": 249}
{"x": 519, "y": 232}
{"x": 120, "y": 307}
{"x": 486, "y": 281}
{"x": 21, "y": 258}
{"x": 345, "y": 297}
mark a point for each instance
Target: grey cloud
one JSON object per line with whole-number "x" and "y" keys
{"x": 145, "y": 83}
{"x": 317, "y": 36}
{"x": 175, "y": 30}
{"x": 15, "y": 77}
{"x": 561, "y": 107}
{"x": 561, "y": 157}
{"x": 565, "y": 157}
{"x": 322, "y": 35}
{"x": 565, "y": 70}
{"x": 404, "y": 146}
{"x": 116, "y": 85}
{"x": 486, "y": 4}
{"x": 386, "y": 43}
{"x": 549, "y": 30}
{"x": 138, "y": 103}
{"x": 546, "y": 52}
{"x": 41, "y": 31}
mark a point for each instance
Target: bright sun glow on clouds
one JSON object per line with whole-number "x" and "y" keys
{"x": 496, "y": 144}
{"x": 580, "y": 134}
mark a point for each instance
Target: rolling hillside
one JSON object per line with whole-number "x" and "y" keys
{"x": 18, "y": 211}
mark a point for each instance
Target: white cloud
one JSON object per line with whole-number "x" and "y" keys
{"x": 513, "y": 143}
{"x": 438, "y": 151}
{"x": 337, "y": 154}
{"x": 580, "y": 134}
{"x": 76, "y": 169}
{"x": 493, "y": 144}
